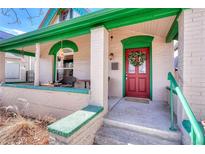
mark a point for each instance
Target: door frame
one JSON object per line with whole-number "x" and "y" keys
{"x": 139, "y": 41}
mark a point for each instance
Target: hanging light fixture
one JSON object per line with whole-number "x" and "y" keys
{"x": 61, "y": 53}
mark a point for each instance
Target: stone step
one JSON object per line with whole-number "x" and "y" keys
{"x": 115, "y": 132}
{"x": 164, "y": 134}
{"x": 110, "y": 135}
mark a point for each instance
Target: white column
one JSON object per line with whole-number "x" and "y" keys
{"x": 192, "y": 59}
{"x": 37, "y": 65}
{"x": 99, "y": 67}
{"x": 2, "y": 67}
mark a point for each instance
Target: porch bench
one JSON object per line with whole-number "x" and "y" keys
{"x": 67, "y": 126}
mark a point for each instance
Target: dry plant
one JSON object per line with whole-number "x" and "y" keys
{"x": 15, "y": 129}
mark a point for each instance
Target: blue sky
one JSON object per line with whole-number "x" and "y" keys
{"x": 25, "y": 25}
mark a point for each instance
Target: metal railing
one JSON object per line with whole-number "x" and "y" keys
{"x": 197, "y": 136}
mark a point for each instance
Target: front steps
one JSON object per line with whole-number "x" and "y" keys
{"x": 120, "y": 133}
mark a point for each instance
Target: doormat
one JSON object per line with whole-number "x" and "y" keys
{"x": 137, "y": 100}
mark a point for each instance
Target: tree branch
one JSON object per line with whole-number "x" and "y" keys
{"x": 11, "y": 12}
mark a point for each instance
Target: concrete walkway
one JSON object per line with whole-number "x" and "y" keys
{"x": 129, "y": 122}
{"x": 153, "y": 115}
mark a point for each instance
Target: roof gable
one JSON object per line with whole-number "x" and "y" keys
{"x": 54, "y": 11}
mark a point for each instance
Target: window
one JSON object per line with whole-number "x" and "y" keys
{"x": 64, "y": 15}
{"x": 64, "y": 63}
{"x": 67, "y": 15}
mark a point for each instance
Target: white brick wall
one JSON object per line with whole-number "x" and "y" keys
{"x": 192, "y": 59}
{"x": 2, "y": 67}
{"x": 82, "y": 57}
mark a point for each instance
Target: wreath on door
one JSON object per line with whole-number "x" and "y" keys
{"x": 136, "y": 58}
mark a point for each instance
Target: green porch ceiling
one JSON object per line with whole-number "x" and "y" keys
{"x": 110, "y": 18}
{"x": 173, "y": 32}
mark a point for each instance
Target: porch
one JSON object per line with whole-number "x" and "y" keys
{"x": 132, "y": 122}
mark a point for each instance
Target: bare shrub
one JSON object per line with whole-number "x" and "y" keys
{"x": 16, "y": 129}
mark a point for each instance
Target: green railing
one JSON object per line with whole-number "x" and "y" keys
{"x": 197, "y": 136}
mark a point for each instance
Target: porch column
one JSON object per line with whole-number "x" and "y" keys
{"x": 2, "y": 67}
{"x": 37, "y": 65}
{"x": 99, "y": 67}
{"x": 192, "y": 59}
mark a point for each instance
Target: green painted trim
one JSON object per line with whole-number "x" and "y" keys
{"x": 187, "y": 126}
{"x": 63, "y": 44}
{"x": 59, "y": 89}
{"x": 173, "y": 32}
{"x": 16, "y": 82}
{"x": 110, "y": 18}
{"x": 46, "y": 22}
{"x": 54, "y": 68}
{"x": 56, "y": 47}
{"x": 151, "y": 73}
{"x": 20, "y": 52}
{"x": 72, "y": 123}
{"x": 141, "y": 41}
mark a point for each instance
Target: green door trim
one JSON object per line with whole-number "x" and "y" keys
{"x": 140, "y": 41}
{"x": 56, "y": 47}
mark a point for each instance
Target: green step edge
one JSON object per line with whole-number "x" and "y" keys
{"x": 61, "y": 127}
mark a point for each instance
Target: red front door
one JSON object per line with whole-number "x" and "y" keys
{"x": 138, "y": 77}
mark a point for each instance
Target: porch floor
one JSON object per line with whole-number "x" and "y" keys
{"x": 154, "y": 115}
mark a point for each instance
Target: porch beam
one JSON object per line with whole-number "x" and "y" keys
{"x": 2, "y": 67}
{"x": 173, "y": 32}
{"x": 99, "y": 67}
{"x": 20, "y": 52}
{"x": 37, "y": 66}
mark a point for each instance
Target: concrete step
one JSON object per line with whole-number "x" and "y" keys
{"x": 114, "y": 132}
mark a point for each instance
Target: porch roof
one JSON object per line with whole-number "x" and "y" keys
{"x": 110, "y": 18}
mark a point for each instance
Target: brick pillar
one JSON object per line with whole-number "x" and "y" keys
{"x": 99, "y": 67}
{"x": 2, "y": 67}
{"x": 192, "y": 59}
{"x": 37, "y": 65}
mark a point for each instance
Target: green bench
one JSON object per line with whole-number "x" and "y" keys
{"x": 69, "y": 125}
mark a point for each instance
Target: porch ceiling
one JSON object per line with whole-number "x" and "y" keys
{"x": 110, "y": 18}
{"x": 159, "y": 27}
{"x": 44, "y": 46}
